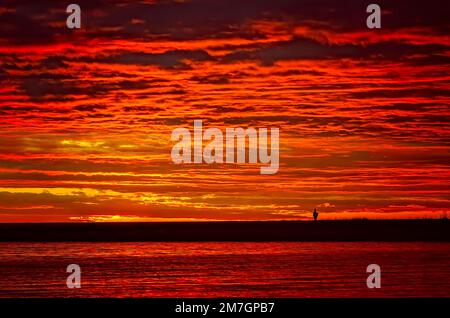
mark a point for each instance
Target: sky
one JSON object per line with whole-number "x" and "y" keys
{"x": 86, "y": 114}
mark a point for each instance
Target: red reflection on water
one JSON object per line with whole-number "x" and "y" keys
{"x": 225, "y": 269}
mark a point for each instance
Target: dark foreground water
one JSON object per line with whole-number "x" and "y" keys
{"x": 278, "y": 269}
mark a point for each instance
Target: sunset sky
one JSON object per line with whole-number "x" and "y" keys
{"x": 86, "y": 114}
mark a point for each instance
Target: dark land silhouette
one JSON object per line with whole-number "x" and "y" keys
{"x": 324, "y": 230}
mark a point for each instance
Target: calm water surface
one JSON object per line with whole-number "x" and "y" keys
{"x": 276, "y": 269}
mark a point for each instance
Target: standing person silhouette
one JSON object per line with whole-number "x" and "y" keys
{"x": 315, "y": 214}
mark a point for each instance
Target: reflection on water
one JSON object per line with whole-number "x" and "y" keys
{"x": 276, "y": 269}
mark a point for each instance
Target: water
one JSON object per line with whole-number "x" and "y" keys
{"x": 276, "y": 269}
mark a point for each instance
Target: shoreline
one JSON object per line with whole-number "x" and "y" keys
{"x": 431, "y": 230}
